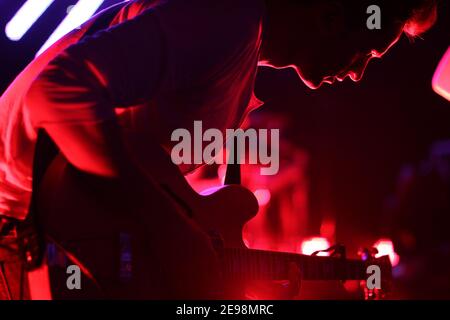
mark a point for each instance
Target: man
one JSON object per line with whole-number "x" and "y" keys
{"x": 106, "y": 100}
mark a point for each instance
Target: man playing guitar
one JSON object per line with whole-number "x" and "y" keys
{"x": 110, "y": 101}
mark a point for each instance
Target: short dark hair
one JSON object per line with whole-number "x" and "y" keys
{"x": 416, "y": 16}
{"x": 422, "y": 17}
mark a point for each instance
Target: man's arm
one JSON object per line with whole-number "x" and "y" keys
{"x": 74, "y": 97}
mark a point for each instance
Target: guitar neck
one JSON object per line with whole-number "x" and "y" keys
{"x": 269, "y": 265}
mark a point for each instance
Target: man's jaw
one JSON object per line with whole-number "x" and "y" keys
{"x": 308, "y": 83}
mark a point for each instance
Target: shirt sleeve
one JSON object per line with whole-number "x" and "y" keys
{"x": 118, "y": 67}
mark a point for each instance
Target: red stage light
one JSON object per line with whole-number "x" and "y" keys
{"x": 311, "y": 245}
{"x": 385, "y": 247}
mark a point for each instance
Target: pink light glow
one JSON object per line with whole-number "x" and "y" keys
{"x": 263, "y": 196}
{"x": 441, "y": 78}
{"x": 309, "y": 246}
{"x": 385, "y": 247}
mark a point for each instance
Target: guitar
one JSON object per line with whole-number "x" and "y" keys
{"x": 222, "y": 213}
{"x": 240, "y": 264}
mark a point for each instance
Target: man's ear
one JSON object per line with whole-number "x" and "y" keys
{"x": 330, "y": 18}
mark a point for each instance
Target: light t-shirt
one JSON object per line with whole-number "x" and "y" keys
{"x": 160, "y": 66}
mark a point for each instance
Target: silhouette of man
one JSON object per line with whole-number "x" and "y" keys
{"x": 105, "y": 99}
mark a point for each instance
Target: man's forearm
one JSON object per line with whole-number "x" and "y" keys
{"x": 95, "y": 148}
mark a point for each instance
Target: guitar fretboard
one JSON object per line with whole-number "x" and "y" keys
{"x": 269, "y": 265}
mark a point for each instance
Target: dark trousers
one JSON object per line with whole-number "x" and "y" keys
{"x": 13, "y": 276}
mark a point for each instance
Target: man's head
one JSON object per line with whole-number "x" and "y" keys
{"x": 328, "y": 40}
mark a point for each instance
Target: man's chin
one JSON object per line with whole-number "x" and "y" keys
{"x": 314, "y": 85}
